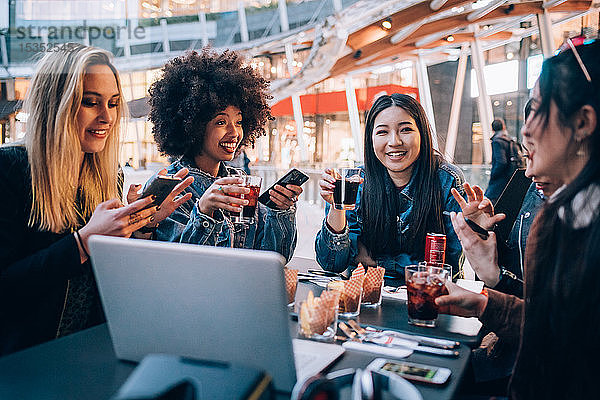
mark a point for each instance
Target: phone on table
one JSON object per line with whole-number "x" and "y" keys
{"x": 292, "y": 177}
{"x": 477, "y": 229}
{"x": 160, "y": 186}
{"x": 411, "y": 371}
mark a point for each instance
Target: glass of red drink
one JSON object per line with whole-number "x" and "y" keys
{"x": 447, "y": 267}
{"x": 424, "y": 283}
{"x": 347, "y": 181}
{"x": 249, "y": 210}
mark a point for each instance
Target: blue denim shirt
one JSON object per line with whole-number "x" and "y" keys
{"x": 274, "y": 230}
{"x": 335, "y": 252}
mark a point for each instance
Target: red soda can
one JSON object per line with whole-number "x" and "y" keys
{"x": 435, "y": 248}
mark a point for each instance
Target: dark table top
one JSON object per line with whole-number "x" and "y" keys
{"x": 393, "y": 314}
{"x": 84, "y": 365}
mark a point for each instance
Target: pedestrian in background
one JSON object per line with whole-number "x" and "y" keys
{"x": 507, "y": 156}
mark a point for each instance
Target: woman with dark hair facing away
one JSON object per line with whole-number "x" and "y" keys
{"x": 405, "y": 190}
{"x": 558, "y": 321}
{"x": 58, "y": 188}
{"x": 203, "y": 108}
{"x": 500, "y": 265}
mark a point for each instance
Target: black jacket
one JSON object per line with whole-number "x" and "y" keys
{"x": 35, "y": 266}
{"x": 502, "y": 168}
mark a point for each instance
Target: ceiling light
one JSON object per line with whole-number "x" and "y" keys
{"x": 510, "y": 55}
{"x": 387, "y": 24}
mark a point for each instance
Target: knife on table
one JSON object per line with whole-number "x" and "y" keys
{"x": 421, "y": 340}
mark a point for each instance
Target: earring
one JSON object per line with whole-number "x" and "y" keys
{"x": 581, "y": 151}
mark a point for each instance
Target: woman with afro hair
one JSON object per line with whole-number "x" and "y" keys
{"x": 203, "y": 108}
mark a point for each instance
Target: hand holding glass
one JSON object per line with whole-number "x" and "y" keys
{"x": 347, "y": 181}
{"x": 248, "y": 211}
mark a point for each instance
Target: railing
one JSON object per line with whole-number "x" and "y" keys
{"x": 474, "y": 174}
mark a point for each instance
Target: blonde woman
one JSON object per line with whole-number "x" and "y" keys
{"x": 58, "y": 188}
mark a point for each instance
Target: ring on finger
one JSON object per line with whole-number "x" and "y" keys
{"x": 220, "y": 188}
{"x": 133, "y": 219}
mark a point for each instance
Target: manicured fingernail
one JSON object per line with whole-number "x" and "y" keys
{"x": 153, "y": 197}
{"x": 152, "y": 218}
{"x": 157, "y": 208}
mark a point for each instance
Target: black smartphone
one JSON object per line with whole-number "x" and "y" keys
{"x": 510, "y": 202}
{"x": 477, "y": 229}
{"x": 292, "y": 177}
{"x": 160, "y": 186}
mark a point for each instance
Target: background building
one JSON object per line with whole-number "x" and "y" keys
{"x": 327, "y": 60}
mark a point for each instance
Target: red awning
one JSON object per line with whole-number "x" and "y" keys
{"x": 334, "y": 102}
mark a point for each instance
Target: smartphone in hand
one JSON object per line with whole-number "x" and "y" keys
{"x": 292, "y": 177}
{"x": 160, "y": 186}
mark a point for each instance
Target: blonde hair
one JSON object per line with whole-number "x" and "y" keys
{"x": 53, "y": 147}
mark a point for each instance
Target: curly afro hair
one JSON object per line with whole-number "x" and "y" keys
{"x": 195, "y": 87}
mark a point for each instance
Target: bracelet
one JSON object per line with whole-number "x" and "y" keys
{"x": 509, "y": 274}
{"x": 78, "y": 237}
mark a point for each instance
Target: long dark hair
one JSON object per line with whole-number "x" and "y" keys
{"x": 559, "y": 348}
{"x": 380, "y": 204}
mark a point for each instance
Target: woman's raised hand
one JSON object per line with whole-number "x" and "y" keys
{"x": 285, "y": 197}
{"x": 477, "y": 208}
{"x": 327, "y": 184}
{"x": 217, "y": 196}
{"x": 481, "y": 253}
{"x": 173, "y": 200}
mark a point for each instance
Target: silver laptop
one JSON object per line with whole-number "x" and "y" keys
{"x": 203, "y": 302}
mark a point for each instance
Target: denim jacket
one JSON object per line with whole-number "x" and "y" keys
{"x": 274, "y": 230}
{"x": 335, "y": 252}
